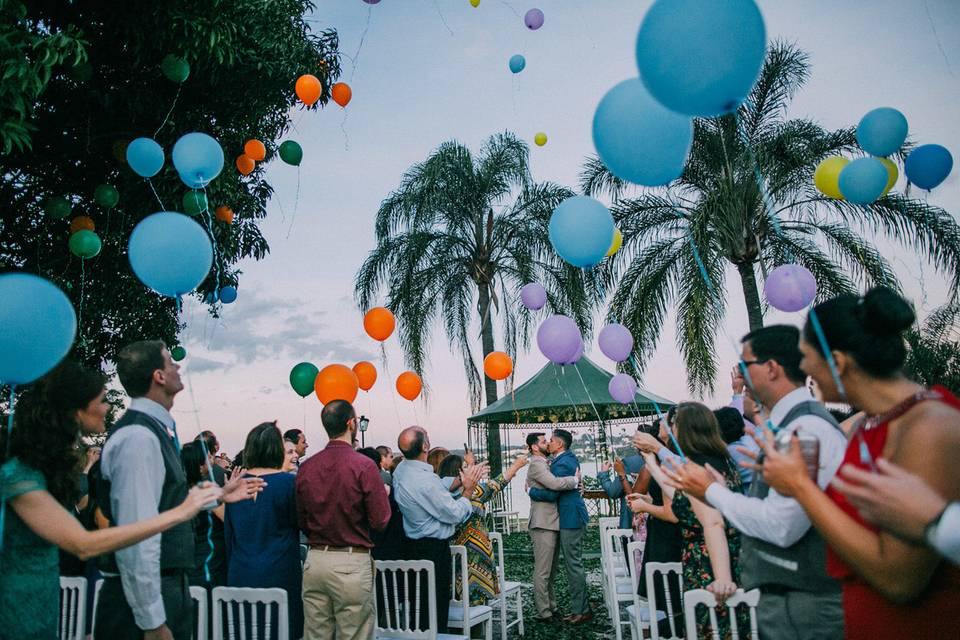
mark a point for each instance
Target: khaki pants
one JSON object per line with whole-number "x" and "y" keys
{"x": 546, "y": 552}
{"x": 338, "y": 596}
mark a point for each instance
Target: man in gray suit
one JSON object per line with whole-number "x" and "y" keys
{"x": 544, "y": 525}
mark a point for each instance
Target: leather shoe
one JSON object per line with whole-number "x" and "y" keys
{"x": 582, "y": 618}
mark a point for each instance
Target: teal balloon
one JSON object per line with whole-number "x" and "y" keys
{"x": 863, "y": 180}
{"x": 581, "y": 230}
{"x": 194, "y": 202}
{"x": 928, "y": 165}
{"x": 106, "y": 196}
{"x": 882, "y": 131}
{"x": 37, "y": 327}
{"x": 176, "y": 69}
{"x": 639, "y": 139}
{"x": 228, "y": 294}
{"x": 57, "y": 207}
{"x": 85, "y": 244}
{"x": 145, "y": 157}
{"x": 198, "y": 159}
{"x": 517, "y": 63}
{"x": 178, "y": 353}
{"x": 302, "y": 377}
{"x": 170, "y": 253}
{"x": 701, "y": 57}
{"x": 291, "y": 152}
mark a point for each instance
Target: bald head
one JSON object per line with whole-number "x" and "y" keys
{"x": 414, "y": 443}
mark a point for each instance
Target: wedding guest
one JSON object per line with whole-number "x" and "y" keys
{"x": 210, "y": 553}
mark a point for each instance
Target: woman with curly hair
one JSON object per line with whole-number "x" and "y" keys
{"x": 39, "y": 473}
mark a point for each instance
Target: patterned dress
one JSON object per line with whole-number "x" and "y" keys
{"x": 473, "y": 535}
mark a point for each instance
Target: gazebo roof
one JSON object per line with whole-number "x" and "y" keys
{"x": 567, "y": 394}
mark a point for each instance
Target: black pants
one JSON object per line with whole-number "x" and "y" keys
{"x": 115, "y": 618}
{"x": 438, "y": 551}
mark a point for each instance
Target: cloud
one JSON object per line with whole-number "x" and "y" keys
{"x": 199, "y": 364}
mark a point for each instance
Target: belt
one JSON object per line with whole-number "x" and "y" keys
{"x": 326, "y": 547}
{"x": 164, "y": 573}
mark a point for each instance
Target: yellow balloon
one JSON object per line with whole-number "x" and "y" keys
{"x": 892, "y": 172}
{"x": 617, "y": 242}
{"x": 540, "y": 139}
{"x": 827, "y": 176}
{"x": 475, "y": 3}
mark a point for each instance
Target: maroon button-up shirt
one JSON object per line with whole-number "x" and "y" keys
{"x": 340, "y": 497}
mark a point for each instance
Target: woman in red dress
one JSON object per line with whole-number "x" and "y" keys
{"x": 892, "y": 588}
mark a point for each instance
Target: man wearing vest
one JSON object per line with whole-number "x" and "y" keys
{"x": 782, "y": 555}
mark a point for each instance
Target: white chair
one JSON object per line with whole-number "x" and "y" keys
{"x": 96, "y": 601}
{"x": 244, "y": 600}
{"x": 503, "y": 521}
{"x": 199, "y": 595}
{"x": 397, "y": 580}
{"x": 638, "y": 613}
{"x": 508, "y": 590}
{"x": 73, "y": 608}
{"x": 654, "y": 612}
{"x": 462, "y": 615}
{"x": 695, "y": 597}
{"x": 616, "y": 576}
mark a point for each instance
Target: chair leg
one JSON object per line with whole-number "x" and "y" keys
{"x": 489, "y": 627}
{"x": 503, "y": 616}
{"x": 520, "y": 610}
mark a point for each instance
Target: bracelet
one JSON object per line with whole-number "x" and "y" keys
{"x": 930, "y": 531}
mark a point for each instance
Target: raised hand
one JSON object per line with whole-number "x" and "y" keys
{"x": 200, "y": 496}
{"x": 737, "y": 383}
{"x": 646, "y": 442}
{"x": 240, "y": 488}
{"x": 692, "y": 478}
{"x": 618, "y": 467}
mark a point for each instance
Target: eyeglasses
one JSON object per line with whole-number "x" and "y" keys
{"x": 747, "y": 363}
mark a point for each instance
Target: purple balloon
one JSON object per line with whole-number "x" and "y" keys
{"x": 533, "y": 19}
{"x": 790, "y": 287}
{"x": 616, "y": 342}
{"x": 559, "y": 338}
{"x": 576, "y": 356}
{"x": 622, "y": 388}
{"x": 533, "y": 296}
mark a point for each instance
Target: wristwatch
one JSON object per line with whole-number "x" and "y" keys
{"x": 930, "y": 531}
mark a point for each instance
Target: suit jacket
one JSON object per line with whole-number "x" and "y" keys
{"x": 570, "y": 505}
{"x": 611, "y": 485}
{"x": 544, "y": 515}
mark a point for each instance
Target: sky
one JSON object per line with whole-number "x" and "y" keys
{"x": 427, "y": 71}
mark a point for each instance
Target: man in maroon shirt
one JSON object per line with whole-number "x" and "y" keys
{"x": 340, "y": 498}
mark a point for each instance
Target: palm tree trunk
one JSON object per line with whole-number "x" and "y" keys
{"x": 751, "y": 294}
{"x": 490, "y": 386}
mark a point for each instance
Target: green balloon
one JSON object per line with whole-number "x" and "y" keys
{"x": 57, "y": 207}
{"x": 85, "y": 244}
{"x": 178, "y": 353}
{"x": 291, "y": 152}
{"x": 302, "y": 378}
{"x": 175, "y": 68}
{"x": 106, "y": 196}
{"x": 194, "y": 202}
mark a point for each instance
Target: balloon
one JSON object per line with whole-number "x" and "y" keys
{"x": 827, "y": 176}
{"x": 928, "y": 165}
{"x": 245, "y": 164}
{"x": 176, "y": 69}
{"x": 701, "y": 58}
{"x": 882, "y": 131}
{"x": 617, "y": 242}
{"x": 170, "y": 253}
{"x": 863, "y": 180}
{"x": 81, "y": 222}
{"x": 533, "y": 19}
{"x": 475, "y": 3}
{"x": 540, "y": 139}
{"x": 38, "y": 326}
{"x": 336, "y": 382}
{"x": 198, "y": 159}
{"x": 85, "y": 244}
{"x": 581, "y": 230}
{"x": 497, "y": 365}
{"x": 558, "y": 338}
{"x": 616, "y": 342}
{"x": 409, "y": 385}
{"x": 291, "y": 152}
{"x": 178, "y": 353}
{"x": 145, "y": 157}
{"x": 308, "y": 89}
{"x": 366, "y": 374}
{"x": 790, "y": 287}
{"x": 228, "y": 294}
{"x": 57, "y": 207}
{"x": 533, "y": 296}
{"x": 372, "y": 1}
{"x": 622, "y": 388}
{"x": 254, "y": 150}
{"x": 302, "y": 378}
{"x": 194, "y": 202}
{"x": 517, "y": 63}
{"x": 892, "y": 174}
{"x": 379, "y": 323}
{"x": 638, "y": 138}
{"x": 224, "y": 213}
{"x": 106, "y": 196}
{"x": 575, "y": 358}
{"x": 341, "y": 93}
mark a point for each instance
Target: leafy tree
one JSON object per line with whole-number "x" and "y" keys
{"x": 933, "y": 355}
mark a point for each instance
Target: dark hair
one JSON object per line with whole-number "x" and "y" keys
{"x": 671, "y": 414}
{"x": 731, "y": 423}
{"x": 698, "y": 431}
{"x": 564, "y": 435}
{"x": 335, "y": 416}
{"x": 45, "y": 430}
{"x": 384, "y": 451}
{"x": 532, "y": 438}
{"x": 652, "y": 428}
{"x": 136, "y": 363}
{"x": 869, "y": 329}
{"x": 292, "y": 435}
{"x": 371, "y": 453}
{"x": 417, "y": 444}
{"x": 264, "y": 447}
{"x": 209, "y": 440}
{"x": 781, "y": 343}
{"x": 192, "y": 456}
{"x": 237, "y": 461}
{"x": 451, "y": 466}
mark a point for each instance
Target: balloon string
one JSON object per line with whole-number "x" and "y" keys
{"x": 509, "y": 6}
{"x": 6, "y": 456}
{"x": 442, "y": 19}
{"x": 156, "y": 195}
{"x": 605, "y": 427}
{"x": 343, "y": 128}
{"x": 208, "y": 219}
{"x": 304, "y": 413}
{"x": 296, "y": 203}
{"x": 166, "y": 117}
{"x": 356, "y": 56}
{"x": 386, "y": 369}
{"x": 83, "y": 282}
{"x": 206, "y": 456}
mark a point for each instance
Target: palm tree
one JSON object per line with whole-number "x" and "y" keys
{"x": 746, "y": 198}
{"x": 464, "y": 233}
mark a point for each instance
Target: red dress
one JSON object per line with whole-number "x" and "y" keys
{"x": 867, "y": 614}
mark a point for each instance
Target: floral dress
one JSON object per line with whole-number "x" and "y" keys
{"x": 472, "y": 534}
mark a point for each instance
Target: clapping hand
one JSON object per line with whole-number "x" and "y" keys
{"x": 638, "y": 502}
{"x": 468, "y": 458}
{"x": 240, "y": 488}
{"x": 784, "y": 472}
{"x": 470, "y": 477}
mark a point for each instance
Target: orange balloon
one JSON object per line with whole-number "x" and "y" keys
{"x": 497, "y": 365}
{"x": 409, "y": 385}
{"x": 366, "y": 374}
{"x": 81, "y": 222}
{"x": 255, "y": 149}
{"x": 308, "y": 89}
{"x": 341, "y": 93}
{"x": 224, "y": 213}
{"x": 336, "y": 382}
{"x": 245, "y": 164}
{"x": 379, "y": 323}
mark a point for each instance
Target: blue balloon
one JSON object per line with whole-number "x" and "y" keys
{"x": 228, "y": 295}
{"x": 701, "y": 58}
{"x": 581, "y": 230}
{"x": 882, "y": 131}
{"x": 928, "y": 165}
{"x": 639, "y": 139}
{"x": 37, "y": 327}
{"x": 517, "y": 63}
{"x": 863, "y": 180}
{"x": 145, "y": 157}
{"x": 170, "y": 253}
{"x": 198, "y": 159}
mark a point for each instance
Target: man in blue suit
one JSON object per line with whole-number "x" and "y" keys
{"x": 573, "y": 523}
{"x": 625, "y": 472}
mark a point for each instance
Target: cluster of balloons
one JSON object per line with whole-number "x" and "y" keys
{"x": 253, "y": 151}
{"x": 790, "y": 287}
{"x": 582, "y": 232}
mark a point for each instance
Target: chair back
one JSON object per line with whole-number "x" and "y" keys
{"x": 400, "y": 584}
{"x": 605, "y": 523}
{"x": 667, "y": 571}
{"x": 199, "y": 596}
{"x": 96, "y": 601}
{"x": 695, "y": 597}
{"x": 496, "y": 544}
{"x": 73, "y": 608}
{"x": 238, "y": 610}
{"x": 458, "y": 556}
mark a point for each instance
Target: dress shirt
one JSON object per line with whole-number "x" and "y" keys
{"x": 133, "y": 463}
{"x": 946, "y": 538}
{"x": 745, "y": 441}
{"x": 778, "y": 519}
{"x": 340, "y": 497}
{"x": 429, "y": 511}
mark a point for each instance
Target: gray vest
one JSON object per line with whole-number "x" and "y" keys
{"x": 176, "y": 543}
{"x": 801, "y": 566}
